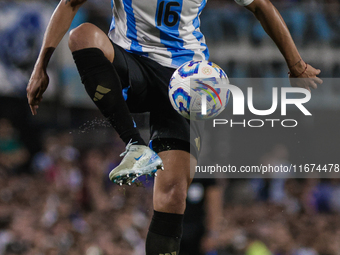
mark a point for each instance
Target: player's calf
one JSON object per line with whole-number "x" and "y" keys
{"x": 165, "y": 233}
{"x": 170, "y": 193}
{"x": 171, "y": 197}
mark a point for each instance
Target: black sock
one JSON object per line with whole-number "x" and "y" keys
{"x": 102, "y": 84}
{"x": 165, "y": 233}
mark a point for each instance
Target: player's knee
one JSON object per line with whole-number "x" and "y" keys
{"x": 84, "y": 36}
{"x": 88, "y": 35}
{"x": 79, "y": 36}
{"x": 171, "y": 198}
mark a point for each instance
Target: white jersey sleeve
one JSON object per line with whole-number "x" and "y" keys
{"x": 244, "y": 2}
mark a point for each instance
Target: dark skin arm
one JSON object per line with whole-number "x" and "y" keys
{"x": 276, "y": 28}
{"x": 59, "y": 24}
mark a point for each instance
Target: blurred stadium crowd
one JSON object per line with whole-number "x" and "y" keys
{"x": 66, "y": 205}
{"x": 55, "y": 197}
{"x": 309, "y": 21}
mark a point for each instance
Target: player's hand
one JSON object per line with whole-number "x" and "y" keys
{"x": 36, "y": 87}
{"x": 309, "y": 74}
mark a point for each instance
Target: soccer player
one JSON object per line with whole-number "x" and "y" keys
{"x": 129, "y": 71}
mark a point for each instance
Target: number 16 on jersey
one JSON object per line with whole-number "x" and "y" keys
{"x": 168, "y": 13}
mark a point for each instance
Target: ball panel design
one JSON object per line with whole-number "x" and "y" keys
{"x": 187, "y": 100}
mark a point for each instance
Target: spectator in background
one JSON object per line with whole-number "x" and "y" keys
{"x": 332, "y": 10}
{"x": 13, "y": 153}
{"x": 256, "y": 247}
{"x": 45, "y": 159}
{"x": 273, "y": 188}
{"x": 203, "y": 215}
{"x": 65, "y": 173}
{"x": 6, "y": 234}
{"x": 95, "y": 175}
{"x": 20, "y": 38}
{"x": 224, "y": 21}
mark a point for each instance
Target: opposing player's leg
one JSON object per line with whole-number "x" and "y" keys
{"x": 170, "y": 191}
{"x": 94, "y": 54}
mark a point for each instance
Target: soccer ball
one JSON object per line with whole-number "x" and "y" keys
{"x": 193, "y": 81}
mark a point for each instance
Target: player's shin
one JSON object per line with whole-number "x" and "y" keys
{"x": 164, "y": 234}
{"x": 102, "y": 84}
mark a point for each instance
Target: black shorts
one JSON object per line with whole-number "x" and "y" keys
{"x": 145, "y": 87}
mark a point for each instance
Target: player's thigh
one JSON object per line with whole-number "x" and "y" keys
{"x": 135, "y": 78}
{"x": 165, "y": 121}
{"x": 88, "y": 35}
{"x": 171, "y": 185}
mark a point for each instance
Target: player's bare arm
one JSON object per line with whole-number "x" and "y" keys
{"x": 276, "y": 28}
{"x": 59, "y": 24}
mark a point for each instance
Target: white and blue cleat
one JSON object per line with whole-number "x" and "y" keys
{"x": 138, "y": 160}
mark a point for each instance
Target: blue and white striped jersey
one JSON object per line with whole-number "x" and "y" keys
{"x": 167, "y": 31}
